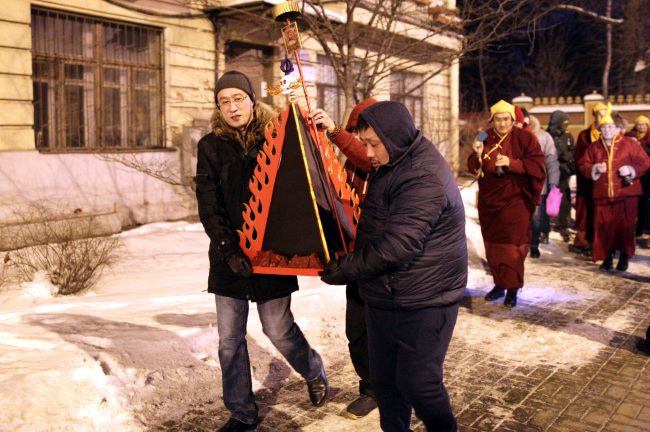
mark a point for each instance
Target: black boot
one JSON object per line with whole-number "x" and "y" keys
{"x": 566, "y": 236}
{"x": 318, "y": 389}
{"x": 361, "y": 407}
{"x": 607, "y": 265}
{"x": 494, "y": 294}
{"x": 534, "y": 252}
{"x": 511, "y": 298}
{"x": 622, "y": 263}
{"x": 234, "y": 425}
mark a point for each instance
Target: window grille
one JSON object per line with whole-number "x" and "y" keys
{"x": 403, "y": 89}
{"x": 329, "y": 95}
{"x": 97, "y": 83}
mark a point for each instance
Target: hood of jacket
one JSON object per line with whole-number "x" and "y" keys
{"x": 262, "y": 114}
{"x": 555, "y": 122}
{"x": 394, "y": 126}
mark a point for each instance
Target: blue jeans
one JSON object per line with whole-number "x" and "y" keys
{"x": 279, "y": 326}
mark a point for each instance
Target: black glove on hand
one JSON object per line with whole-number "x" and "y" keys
{"x": 240, "y": 264}
{"x": 332, "y": 274}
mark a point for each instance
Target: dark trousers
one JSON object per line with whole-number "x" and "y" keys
{"x": 643, "y": 214}
{"x": 407, "y": 351}
{"x": 564, "y": 217}
{"x": 540, "y": 222}
{"x": 355, "y": 330}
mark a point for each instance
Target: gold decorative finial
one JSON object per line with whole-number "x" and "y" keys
{"x": 286, "y": 10}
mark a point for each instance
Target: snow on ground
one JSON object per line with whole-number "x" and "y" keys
{"x": 142, "y": 342}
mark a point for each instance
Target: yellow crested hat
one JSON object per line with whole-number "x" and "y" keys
{"x": 502, "y": 107}
{"x": 642, "y": 119}
{"x": 600, "y": 106}
{"x": 607, "y": 118}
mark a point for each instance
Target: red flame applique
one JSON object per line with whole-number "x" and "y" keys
{"x": 337, "y": 175}
{"x": 256, "y": 212}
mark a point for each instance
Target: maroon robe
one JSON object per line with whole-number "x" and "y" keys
{"x": 506, "y": 203}
{"x": 584, "y": 202}
{"x": 615, "y": 204}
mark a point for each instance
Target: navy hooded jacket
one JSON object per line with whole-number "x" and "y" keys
{"x": 411, "y": 249}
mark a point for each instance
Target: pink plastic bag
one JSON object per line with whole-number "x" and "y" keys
{"x": 553, "y": 201}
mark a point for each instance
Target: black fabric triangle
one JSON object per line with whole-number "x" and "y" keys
{"x": 300, "y": 220}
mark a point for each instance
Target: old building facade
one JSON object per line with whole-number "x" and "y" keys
{"x": 93, "y": 93}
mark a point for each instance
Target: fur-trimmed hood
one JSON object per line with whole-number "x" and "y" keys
{"x": 263, "y": 114}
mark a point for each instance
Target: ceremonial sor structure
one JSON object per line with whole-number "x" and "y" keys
{"x": 302, "y": 212}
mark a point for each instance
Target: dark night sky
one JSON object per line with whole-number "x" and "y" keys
{"x": 563, "y": 57}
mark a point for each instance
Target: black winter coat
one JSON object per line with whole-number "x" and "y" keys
{"x": 564, "y": 144}
{"x": 224, "y": 167}
{"x": 411, "y": 248}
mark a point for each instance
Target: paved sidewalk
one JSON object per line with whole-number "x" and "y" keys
{"x": 562, "y": 360}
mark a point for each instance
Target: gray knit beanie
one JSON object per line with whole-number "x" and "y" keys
{"x": 234, "y": 79}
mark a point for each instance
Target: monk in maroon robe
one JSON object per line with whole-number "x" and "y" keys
{"x": 584, "y": 203}
{"x": 641, "y": 132}
{"x": 614, "y": 163}
{"x": 510, "y": 166}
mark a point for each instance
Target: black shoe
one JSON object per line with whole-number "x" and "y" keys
{"x": 643, "y": 346}
{"x": 360, "y": 407}
{"x": 511, "y": 299}
{"x": 318, "y": 389}
{"x": 494, "y": 294}
{"x": 534, "y": 252}
{"x": 566, "y": 236}
{"x": 607, "y": 265}
{"x": 234, "y": 425}
{"x": 543, "y": 238}
{"x": 622, "y": 263}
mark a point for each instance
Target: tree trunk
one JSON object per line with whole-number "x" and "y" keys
{"x": 608, "y": 61}
{"x": 481, "y": 73}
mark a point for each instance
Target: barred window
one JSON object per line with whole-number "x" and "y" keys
{"x": 329, "y": 95}
{"x": 97, "y": 83}
{"x": 404, "y": 88}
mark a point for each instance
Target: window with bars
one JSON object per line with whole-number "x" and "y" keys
{"x": 402, "y": 85}
{"x": 97, "y": 83}
{"x": 329, "y": 95}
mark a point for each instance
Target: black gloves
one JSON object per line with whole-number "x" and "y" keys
{"x": 240, "y": 264}
{"x": 332, "y": 274}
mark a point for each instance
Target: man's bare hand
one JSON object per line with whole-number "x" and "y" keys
{"x": 477, "y": 146}
{"x": 320, "y": 118}
{"x": 502, "y": 160}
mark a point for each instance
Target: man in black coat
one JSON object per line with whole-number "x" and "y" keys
{"x": 226, "y": 159}
{"x": 410, "y": 261}
{"x": 565, "y": 146}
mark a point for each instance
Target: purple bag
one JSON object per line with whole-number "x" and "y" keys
{"x": 553, "y": 201}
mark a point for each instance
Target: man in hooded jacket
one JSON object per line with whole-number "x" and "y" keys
{"x": 410, "y": 261}
{"x": 564, "y": 144}
{"x": 227, "y": 157}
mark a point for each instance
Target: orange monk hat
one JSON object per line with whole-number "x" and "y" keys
{"x": 502, "y": 107}
{"x": 642, "y": 119}
{"x": 607, "y": 118}
{"x": 600, "y": 106}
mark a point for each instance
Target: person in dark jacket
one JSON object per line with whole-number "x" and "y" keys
{"x": 541, "y": 221}
{"x": 357, "y": 167}
{"x": 410, "y": 261}
{"x": 226, "y": 159}
{"x": 565, "y": 146}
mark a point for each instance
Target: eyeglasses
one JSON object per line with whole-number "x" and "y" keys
{"x": 237, "y": 100}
